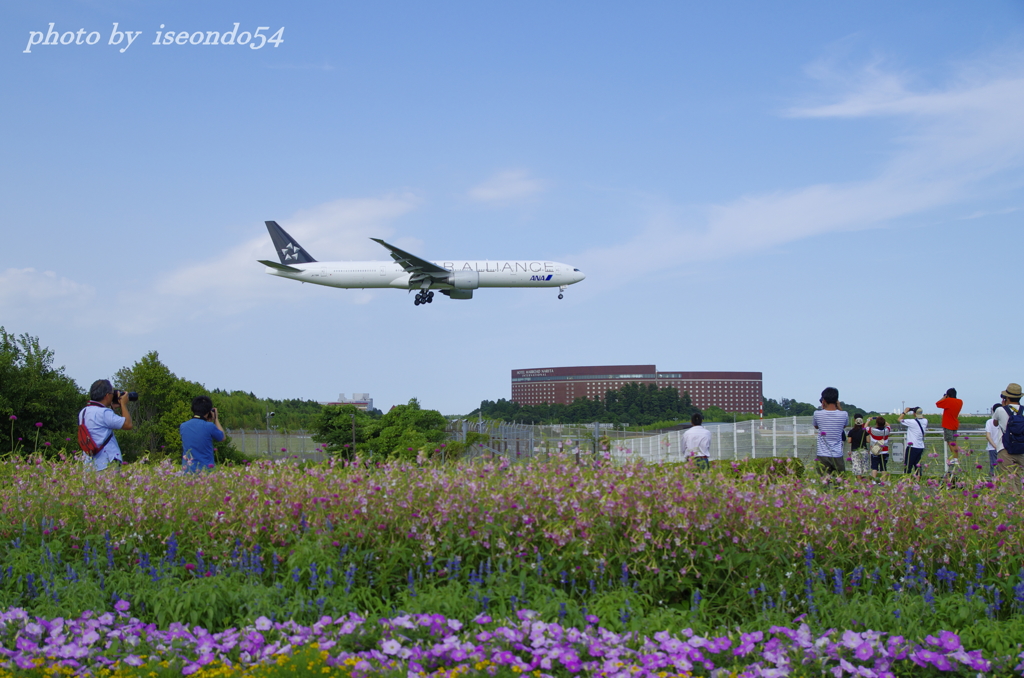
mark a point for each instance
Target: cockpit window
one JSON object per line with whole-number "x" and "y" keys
{"x": 576, "y": 269}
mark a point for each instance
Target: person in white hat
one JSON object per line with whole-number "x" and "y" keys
{"x": 915, "y": 439}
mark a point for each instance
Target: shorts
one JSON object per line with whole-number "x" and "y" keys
{"x": 831, "y": 464}
{"x": 880, "y": 462}
{"x": 1009, "y": 463}
{"x": 949, "y": 435}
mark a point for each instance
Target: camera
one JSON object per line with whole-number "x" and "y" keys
{"x": 132, "y": 395}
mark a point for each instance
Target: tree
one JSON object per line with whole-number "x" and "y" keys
{"x": 405, "y": 431}
{"x": 334, "y": 427}
{"x": 34, "y": 391}
{"x": 165, "y": 401}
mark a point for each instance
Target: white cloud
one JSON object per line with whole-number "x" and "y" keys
{"x": 506, "y": 186}
{"x": 31, "y": 296}
{"x": 957, "y": 140}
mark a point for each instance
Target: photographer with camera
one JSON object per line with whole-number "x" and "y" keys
{"x": 100, "y": 422}
{"x": 915, "y": 440}
{"x": 198, "y": 435}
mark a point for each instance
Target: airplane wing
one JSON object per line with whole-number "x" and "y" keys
{"x": 419, "y": 270}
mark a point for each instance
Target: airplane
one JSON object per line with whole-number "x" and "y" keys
{"x": 454, "y": 279}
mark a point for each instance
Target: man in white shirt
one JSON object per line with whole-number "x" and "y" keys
{"x": 1006, "y": 462}
{"x": 915, "y": 439}
{"x": 697, "y": 442}
{"x": 992, "y": 434}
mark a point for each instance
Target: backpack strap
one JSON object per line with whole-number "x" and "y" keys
{"x": 81, "y": 421}
{"x": 920, "y": 426}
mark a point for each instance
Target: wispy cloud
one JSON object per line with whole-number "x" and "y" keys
{"x": 956, "y": 140}
{"x": 28, "y": 296}
{"x": 506, "y": 186}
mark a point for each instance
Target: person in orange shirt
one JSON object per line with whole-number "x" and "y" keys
{"x": 951, "y": 406}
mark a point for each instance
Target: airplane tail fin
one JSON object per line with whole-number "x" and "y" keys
{"x": 289, "y": 251}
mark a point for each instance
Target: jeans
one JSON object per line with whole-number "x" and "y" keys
{"x": 912, "y": 461}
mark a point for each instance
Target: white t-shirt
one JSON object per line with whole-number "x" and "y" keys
{"x": 696, "y": 442}
{"x": 1001, "y": 417}
{"x": 992, "y": 432}
{"x": 915, "y": 433}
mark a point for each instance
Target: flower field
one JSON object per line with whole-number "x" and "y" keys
{"x": 625, "y": 561}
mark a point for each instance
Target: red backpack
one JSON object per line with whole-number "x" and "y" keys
{"x": 85, "y": 441}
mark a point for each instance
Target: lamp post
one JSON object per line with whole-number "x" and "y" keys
{"x": 269, "y": 415}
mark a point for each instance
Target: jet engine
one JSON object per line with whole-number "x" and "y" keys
{"x": 464, "y": 280}
{"x": 458, "y": 294}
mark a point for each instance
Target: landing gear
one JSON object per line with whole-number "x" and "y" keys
{"x": 561, "y": 289}
{"x": 424, "y": 297}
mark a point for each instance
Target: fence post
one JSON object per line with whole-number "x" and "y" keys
{"x": 775, "y": 440}
{"x": 718, "y": 431}
{"x": 795, "y": 445}
{"x": 753, "y": 436}
{"x": 735, "y": 443}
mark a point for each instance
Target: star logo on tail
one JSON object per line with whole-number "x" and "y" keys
{"x": 290, "y": 252}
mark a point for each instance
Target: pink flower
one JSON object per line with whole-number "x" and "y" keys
{"x": 190, "y": 566}
{"x": 13, "y": 418}
{"x": 39, "y": 424}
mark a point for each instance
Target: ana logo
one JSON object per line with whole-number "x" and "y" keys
{"x": 290, "y": 252}
{"x": 536, "y": 278}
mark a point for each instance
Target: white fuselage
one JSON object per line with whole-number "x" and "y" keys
{"x": 370, "y": 274}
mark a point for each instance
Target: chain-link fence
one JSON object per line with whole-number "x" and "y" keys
{"x": 274, "y": 444}
{"x": 793, "y": 437}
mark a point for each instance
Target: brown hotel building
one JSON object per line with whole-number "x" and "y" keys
{"x": 732, "y": 391}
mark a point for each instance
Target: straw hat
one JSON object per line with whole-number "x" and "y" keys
{"x": 1012, "y": 391}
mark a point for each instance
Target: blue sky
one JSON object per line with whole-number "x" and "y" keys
{"x": 827, "y": 193}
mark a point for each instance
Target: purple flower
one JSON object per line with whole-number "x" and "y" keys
{"x": 122, "y": 605}
{"x": 39, "y": 424}
{"x": 13, "y": 418}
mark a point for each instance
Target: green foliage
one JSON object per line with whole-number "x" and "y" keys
{"x": 333, "y": 426}
{"x": 406, "y": 430}
{"x": 240, "y": 409}
{"x": 403, "y": 433}
{"x": 636, "y": 404}
{"x": 32, "y": 390}
{"x": 786, "y": 407}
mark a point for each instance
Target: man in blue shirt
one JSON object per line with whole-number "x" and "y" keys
{"x": 198, "y": 435}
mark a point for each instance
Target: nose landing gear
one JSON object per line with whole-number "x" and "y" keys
{"x": 560, "y": 290}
